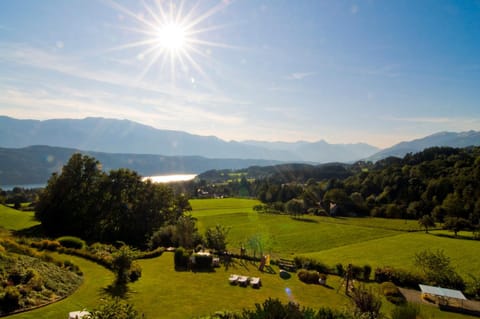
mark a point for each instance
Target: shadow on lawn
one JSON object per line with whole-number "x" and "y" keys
{"x": 34, "y": 231}
{"x": 305, "y": 220}
{"x": 116, "y": 290}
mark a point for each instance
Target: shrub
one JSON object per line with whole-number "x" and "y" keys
{"x": 181, "y": 258}
{"x": 203, "y": 262}
{"x": 71, "y": 242}
{"x": 11, "y": 299}
{"x": 407, "y": 311}
{"x": 367, "y": 304}
{"x": 367, "y": 270}
{"x": 311, "y": 264}
{"x": 328, "y": 313}
{"x": 392, "y": 293}
{"x": 135, "y": 272}
{"x": 356, "y": 272}
{"x": 308, "y": 276}
{"x": 399, "y": 277}
{"x": 150, "y": 254}
{"x": 339, "y": 269}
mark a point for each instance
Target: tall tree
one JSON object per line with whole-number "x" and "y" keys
{"x": 426, "y": 222}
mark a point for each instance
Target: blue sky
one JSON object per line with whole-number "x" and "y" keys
{"x": 371, "y": 71}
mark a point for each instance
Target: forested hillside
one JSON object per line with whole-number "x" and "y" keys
{"x": 441, "y": 182}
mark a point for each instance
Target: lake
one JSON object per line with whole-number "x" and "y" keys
{"x": 154, "y": 179}
{"x": 170, "y": 178}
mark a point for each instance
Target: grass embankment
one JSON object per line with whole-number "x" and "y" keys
{"x": 95, "y": 279}
{"x": 13, "y": 219}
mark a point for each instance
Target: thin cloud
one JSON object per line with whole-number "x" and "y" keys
{"x": 299, "y": 75}
{"x": 25, "y": 55}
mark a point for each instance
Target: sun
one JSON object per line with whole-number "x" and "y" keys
{"x": 171, "y": 36}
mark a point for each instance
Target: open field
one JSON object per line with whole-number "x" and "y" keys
{"x": 163, "y": 292}
{"x": 13, "y": 219}
{"x": 398, "y": 251}
{"x": 373, "y": 241}
{"x": 212, "y": 207}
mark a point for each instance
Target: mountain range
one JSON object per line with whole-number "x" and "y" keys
{"x": 151, "y": 151}
{"x": 123, "y": 136}
{"x": 451, "y": 139}
{"x": 35, "y": 164}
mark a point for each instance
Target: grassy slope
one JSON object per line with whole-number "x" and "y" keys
{"x": 14, "y": 219}
{"x": 373, "y": 241}
{"x": 96, "y": 278}
{"x": 399, "y": 251}
{"x": 212, "y": 207}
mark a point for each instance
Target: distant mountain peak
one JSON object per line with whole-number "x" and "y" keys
{"x": 450, "y": 139}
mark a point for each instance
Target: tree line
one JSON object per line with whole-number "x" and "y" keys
{"x": 442, "y": 183}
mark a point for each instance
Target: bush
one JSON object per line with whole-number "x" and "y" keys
{"x": 181, "y": 258}
{"x": 399, "y": 277}
{"x": 150, "y": 254}
{"x": 392, "y": 293}
{"x": 45, "y": 244}
{"x": 367, "y": 270}
{"x": 367, "y": 304}
{"x": 308, "y": 276}
{"x": 11, "y": 299}
{"x": 311, "y": 264}
{"x": 339, "y": 269}
{"x": 327, "y": 313}
{"x": 135, "y": 272}
{"x": 71, "y": 242}
{"x": 203, "y": 262}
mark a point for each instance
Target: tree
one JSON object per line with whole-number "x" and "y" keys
{"x": 295, "y": 207}
{"x": 123, "y": 265}
{"x": 216, "y": 237}
{"x": 436, "y": 268}
{"x": 68, "y": 204}
{"x": 186, "y": 231}
{"x": 426, "y": 221}
{"x": 456, "y": 224}
{"x": 85, "y": 202}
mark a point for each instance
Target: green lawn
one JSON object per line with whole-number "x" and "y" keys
{"x": 13, "y": 219}
{"x": 171, "y": 294}
{"x": 163, "y": 292}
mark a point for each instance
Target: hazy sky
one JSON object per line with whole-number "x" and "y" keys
{"x": 344, "y": 71}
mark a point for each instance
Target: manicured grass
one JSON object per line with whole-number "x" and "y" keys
{"x": 399, "y": 251}
{"x": 88, "y": 295}
{"x": 212, "y": 207}
{"x": 163, "y": 292}
{"x": 13, "y": 219}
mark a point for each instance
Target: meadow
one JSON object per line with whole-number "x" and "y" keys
{"x": 13, "y": 219}
{"x": 374, "y": 241}
{"x": 163, "y": 292}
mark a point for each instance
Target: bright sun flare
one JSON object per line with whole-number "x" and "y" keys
{"x": 170, "y": 33}
{"x": 171, "y": 36}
